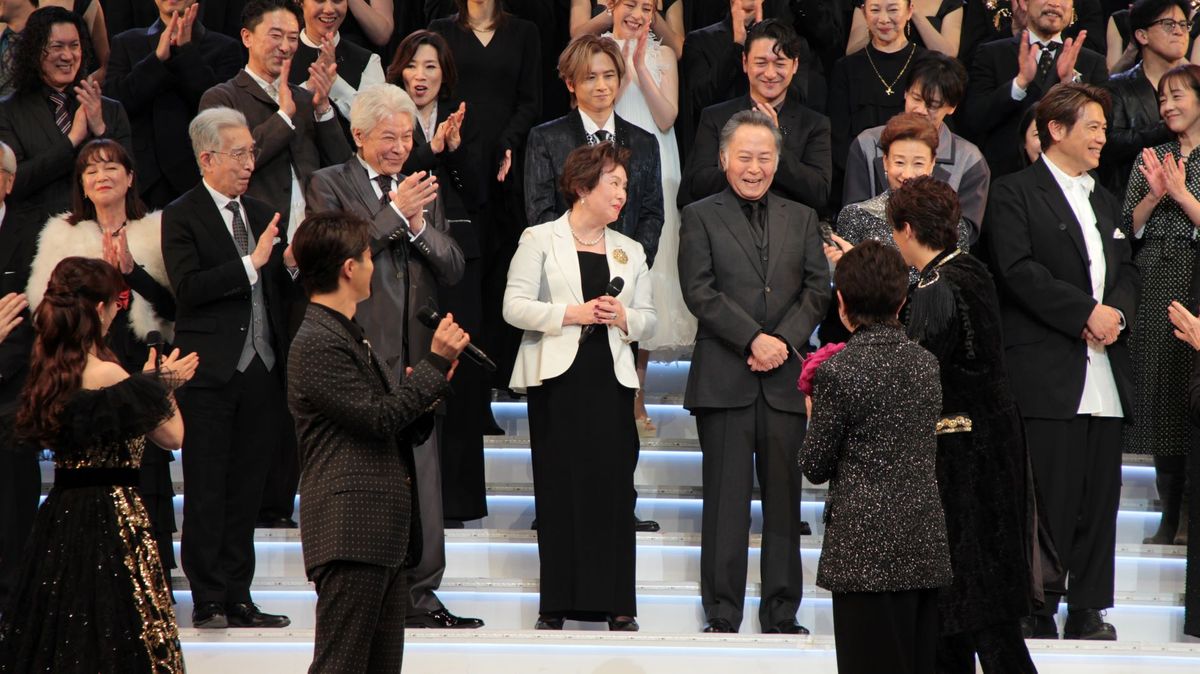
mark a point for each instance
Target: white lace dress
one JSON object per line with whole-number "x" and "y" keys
{"x": 676, "y": 332}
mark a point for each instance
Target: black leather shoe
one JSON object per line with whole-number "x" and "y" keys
{"x": 1039, "y": 627}
{"x": 276, "y": 523}
{"x": 442, "y": 619}
{"x": 719, "y": 625}
{"x": 209, "y": 615}
{"x": 1088, "y": 624}
{"x": 786, "y": 627}
{"x": 248, "y": 615}
{"x": 623, "y": 624}
{"x": 805, "y": 528}
{"x": 544, "y": 623}
{"x": 645, "y": 525}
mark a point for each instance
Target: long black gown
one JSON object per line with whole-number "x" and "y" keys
{"x": 92, "y": 596}
{"x": 584, "y": 449}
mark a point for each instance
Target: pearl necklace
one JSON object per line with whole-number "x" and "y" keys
{"x": 587, "y": 243}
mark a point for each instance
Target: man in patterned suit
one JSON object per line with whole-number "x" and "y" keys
{"x": 357, "y": 427}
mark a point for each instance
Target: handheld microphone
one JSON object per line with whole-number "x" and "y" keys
{"x": 155, "y": 341}
{"x": 614, "y": 288}
{"x": 431, "y": 318}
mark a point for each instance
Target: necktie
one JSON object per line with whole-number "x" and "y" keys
{"x": 600, "y": 136}
{"x": 240, "y": 237}
{"x": 62, "y": 119}
{"x": 1046, "y": 60}
{"x": 385, "y": 186}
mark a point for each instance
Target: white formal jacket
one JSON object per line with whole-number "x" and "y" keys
{"x": 543, "y": 280}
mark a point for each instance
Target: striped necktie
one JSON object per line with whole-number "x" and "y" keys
{"x": 62, "y": 118}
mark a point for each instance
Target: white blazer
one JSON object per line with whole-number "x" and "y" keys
{"x": 543, "y": 280}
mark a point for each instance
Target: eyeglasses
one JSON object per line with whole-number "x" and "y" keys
{"x": 1169, "y": 25}
{"x": 243, "y": 156}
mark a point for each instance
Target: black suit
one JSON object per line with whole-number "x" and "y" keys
{"x": 162, "y": 97}
{"x": 749, "y": 420}
{"x": 546, "y": 153}
{"x": 233, "y": 417}
{"x": 45, "y": 157}
{"x": 805, "y": 167}
{"x": 991, "y": 118}
{"x": 1041, "y": 264}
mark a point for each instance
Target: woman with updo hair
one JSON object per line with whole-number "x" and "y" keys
{"x": 954, "y": 313}
{"x": 91, "y": 594}
{"x": 581, "y": 292}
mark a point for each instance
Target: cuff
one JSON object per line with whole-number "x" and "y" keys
{"x": 747, "y": 351}
{"x": 1017, "y": 93}
{"x": 251, "y": 272}
{"x": 440, "y": 364}
{"x": 324, "y": 116}
{"x": 286, "y": 119}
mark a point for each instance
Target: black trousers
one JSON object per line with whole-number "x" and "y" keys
{"x": 232, "y": 430}
{"x": 283, "y": 473}
{"x": 20, "y": 489}
{"x": 1077, "y": 463}
{"x": 894, "y": 632}
{"x": 1001, "y": 650}
{"x": 360, "y": 618}
{"x": 735, "y": 444}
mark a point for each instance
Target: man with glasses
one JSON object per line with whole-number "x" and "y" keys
{"x": 935, "y": 89}
{"x": 1161, "y": 29}
{"x": 232, "y": 286}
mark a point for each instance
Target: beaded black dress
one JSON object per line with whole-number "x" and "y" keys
{"x": 92, "y": 596}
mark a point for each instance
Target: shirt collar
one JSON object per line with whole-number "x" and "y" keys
{"x": 351, "y": 326}
{"x": 221, "y": 200}
{"x": 337, "y": 37}
{"x": 589, "y": 127}
{"x": 266, "y": 86}
{"x": 371, "y": 172}
{"x": 1083, "y": 181}
{"x": 1057, "y": 37}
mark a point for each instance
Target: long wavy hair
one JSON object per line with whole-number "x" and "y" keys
{"x": 68, "y": 328}
{"x": 30, "y": 45}
{"x": 95, "y": 152}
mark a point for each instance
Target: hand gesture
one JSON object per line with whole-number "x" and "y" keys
{"x": 262, "y": 250}
{"x": 1027, "y": 60}
{"x": 11, "y": 306}
{"x": 289, "y": 257}
{"x": 738, "y": 14}
{"x": 582, "y": 314}
{"x": 327, "y": 52}
{"x": 1104, "y": 325}
{"x": 1187, "y": 326}
{"x": 167, "y": 38}
{"x": 449, "y": 339}
{"x": 320, "y": 80}
{"x": 639, "y": 50}
{"x": 454, "y": 131}
{"x": 413, "y": 194}
{"x": 768, "y": 110}
{"x": 1152, "y": 170}
{"x": 286, "y": 105}
{"x": 835, "y": 252}
{"x": 176, "y": 369}
{"x": 610, "y": 311}
{"x": 88, "y": 93}
{"x": 1070, "y": 53}
{"x": 116, "y": 251}
{"x": 183, "y": 33}
{"x": 1175, "y": 178}
{"x": 766, "y": 353}
{"x": 505, "y": 165}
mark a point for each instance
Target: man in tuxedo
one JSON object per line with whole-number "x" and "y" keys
{"x": 226, "y": 264}
{"x": 53, "y": 111}
{"x": 805, "y": 167}
{"x": 1009, "y": 76}
{"x": 752, "y": 271}
{"x": 413, "y": 253}
{"x": 159, "y": 74}
{"x": 1067, "y": 283}
{"x": 357, "y": 427}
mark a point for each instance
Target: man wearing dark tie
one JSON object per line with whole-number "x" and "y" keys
{"x": 1009, "y": 76}
{"x": 226, "y": 264}
{"x": 1066, "y": 282}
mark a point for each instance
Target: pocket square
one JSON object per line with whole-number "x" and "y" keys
{"x": 278, "y": 240}
{"x": 1118, "y": 233}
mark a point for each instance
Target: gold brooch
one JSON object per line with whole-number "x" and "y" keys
{"x": 620, "y": 256}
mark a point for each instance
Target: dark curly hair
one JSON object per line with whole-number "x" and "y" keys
{"x": 872, "y": 282}
{"x": 29, "y": 47}
{"x": 930, "y": 207}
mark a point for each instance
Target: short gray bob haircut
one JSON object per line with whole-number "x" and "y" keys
{"x": 749, "y": 118}
{"x": 8, "y": 159}
{"x": 205, "y": 129}
{"x": 374, "y": 103}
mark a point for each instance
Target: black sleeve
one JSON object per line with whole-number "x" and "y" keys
{"x": 159, "y": 297}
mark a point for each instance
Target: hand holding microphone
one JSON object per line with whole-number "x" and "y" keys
{"x": 608, "y": 310}
{"x": 450, "y": 340}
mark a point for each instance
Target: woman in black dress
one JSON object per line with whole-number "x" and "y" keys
{"x": 935, "y": 25}
{"x": 578, "y": 368}
{"x": 981, "y": 460}
{"x": 108, "y": 221}
{"x": 91, "y": 596}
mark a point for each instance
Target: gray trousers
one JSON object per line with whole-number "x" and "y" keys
{"x": 425, "y": 578}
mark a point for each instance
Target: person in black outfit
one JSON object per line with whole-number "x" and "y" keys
{"x": 1135, "y": 123}
{"x": 770, "y": 62}
{"x": 53, "y": 111}
{"x": 1185, "y": 321}
{"x": 1008, "y": 76}
{"x": 985, "y": 21}
{"x": 159, "y": 74}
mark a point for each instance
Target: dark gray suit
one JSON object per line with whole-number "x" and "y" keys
{"x": 746, "y": 419}
{"x": 407, "y": 274}
{"x": 356, "y": 426}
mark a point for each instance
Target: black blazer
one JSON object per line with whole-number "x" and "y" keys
{"x": 162, "y": 97}
{"x": 546, "y": 154}
{"x": 460, "y": 180}
{"x": 733, "y": 299}
{"x": 1039, "y": 261}
{"x": 805, "y": 165}
{"x": 308, "y": 147}
{"x": 45, "y": 158}
{"x": 990, "y": 117}
{"x": 212, "y": 293}
{"x": 18, "y": 245}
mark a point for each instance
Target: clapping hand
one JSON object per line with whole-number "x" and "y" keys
{"x": 1152, "y": 169}
{"x": 11, "y": 306}
{"x": 738, "y": 15}
{"x": 286, "y": 104}
{"x": 116, "y": 251}
{"x": 1070, "y": 53}
{"x": 177, "y": 369}
{"x": 449, "y": 132}
{"x": 505, "y": 165}
{"x": 262, "y": 249}
{"x": 1187, "y": 325}
{"x": 412, "y": 195}
{"x": 1027, "y": 60}
{"x": 89, "y": 116}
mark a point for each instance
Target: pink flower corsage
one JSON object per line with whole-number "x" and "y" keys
{"x": 814, "y": 360}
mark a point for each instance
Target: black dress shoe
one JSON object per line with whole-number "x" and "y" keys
{"x": 276, "y": 523}
{"x": 1088, "y": 624}
{"x": 805, "y": 528}
{"x": 1039, "y": 627}
{"x": 442, "y": 619}
{"x": 209, "y": 615}
{"x": 719, "y": 625}
{"x": 544, "y": 623}
{"x": 622, "y": 624}
{"x": 248, "y": 615}
{"x": 786, "y": 627}
{"x": 645, "y": 525}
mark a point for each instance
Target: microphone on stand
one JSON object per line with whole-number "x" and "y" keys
{"x": 431, "y": 318}
{"x": 155, "y": 341}
{"x": 614, "y": 288}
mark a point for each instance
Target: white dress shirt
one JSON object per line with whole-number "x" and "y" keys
{"x": 610, "y": 125}
{"x": 222, "y": 202}
{"x": 341, "y": 93}
{"x": 1018, "y": 94}
{"x": 1100, "y": 396}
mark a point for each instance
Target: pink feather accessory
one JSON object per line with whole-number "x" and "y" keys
{"x": 814, "y": 360}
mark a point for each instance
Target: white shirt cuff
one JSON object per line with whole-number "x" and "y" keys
{"x": 1018, "y": 94}
{"x": 286, "y": 119}
{"x": 324, "y": 116}
{"x": 251, "y": 272}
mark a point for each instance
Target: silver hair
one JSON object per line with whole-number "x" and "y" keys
{"x": 205, "y": 129}
{"x": 8, "y": 159}
{"x": 374, "y": 103}
{"x": 749, "y": 118}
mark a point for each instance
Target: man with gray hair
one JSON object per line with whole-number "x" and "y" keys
{"x": 232, "y": 286}
{"x": 752, "y": 271}
{"x": 413, "y": 253}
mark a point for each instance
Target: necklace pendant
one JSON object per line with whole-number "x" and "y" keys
{"x": 888, "y": 90}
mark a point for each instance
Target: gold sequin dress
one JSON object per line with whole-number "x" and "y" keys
{"x": 92, "y": 595}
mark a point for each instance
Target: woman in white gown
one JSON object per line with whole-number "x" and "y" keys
{"x": 650, "y": 99}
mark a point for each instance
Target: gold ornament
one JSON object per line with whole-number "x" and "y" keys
{"x": 620, "y": 256}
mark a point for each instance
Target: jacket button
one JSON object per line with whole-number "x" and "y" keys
{"x": 767, "y": 289}
{"x": 1062, "y": 226}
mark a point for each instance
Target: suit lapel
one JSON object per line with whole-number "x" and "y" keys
{"x": 1053, "y": 194}
{"x": 567, "y": 258}
{"x": 777, "y": 234}
{"x": 247, "y": 83}
{"x": 730, "y": 214}
{"x": 356, "y": 175}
